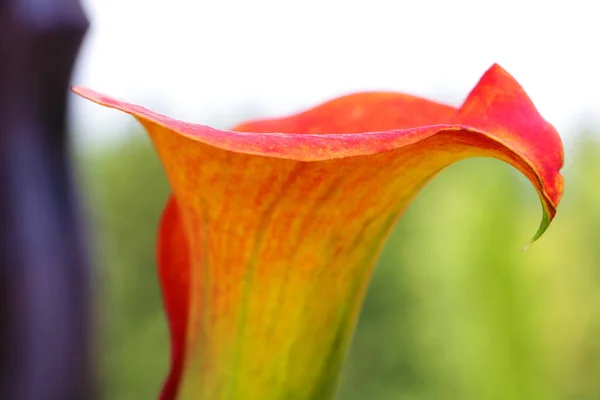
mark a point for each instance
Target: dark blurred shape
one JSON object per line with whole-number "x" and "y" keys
{"x": 44, "y": 274}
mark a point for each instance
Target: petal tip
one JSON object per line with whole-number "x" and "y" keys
{"x": 94, "y": 96}
{"x": 495, "y": 71}
{"x": 79, "y": 90}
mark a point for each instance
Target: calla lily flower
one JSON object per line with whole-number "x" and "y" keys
{"x": 271, "y": 234}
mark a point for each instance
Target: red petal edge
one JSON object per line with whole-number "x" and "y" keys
{"x": 173, "y": 270}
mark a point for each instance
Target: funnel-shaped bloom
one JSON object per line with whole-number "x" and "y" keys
{"x": 268, "y": 242}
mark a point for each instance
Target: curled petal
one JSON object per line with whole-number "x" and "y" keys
{"x": 278, "y": 224}
{"x": 498, "y": 111}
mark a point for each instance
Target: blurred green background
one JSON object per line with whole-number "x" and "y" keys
{"x": 454, "y": 310}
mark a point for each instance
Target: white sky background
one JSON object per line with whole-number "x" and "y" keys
{"x": 207, "y": 61}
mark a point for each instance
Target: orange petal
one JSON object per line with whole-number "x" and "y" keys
{"x": 285, "y": 218}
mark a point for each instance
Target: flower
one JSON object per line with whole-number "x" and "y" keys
{"x": 267, "y": 244}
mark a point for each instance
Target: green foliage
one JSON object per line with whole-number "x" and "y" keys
{"x": 127, "y": 190}
{"x": 454, "y": 310}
